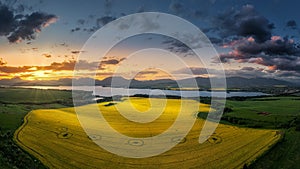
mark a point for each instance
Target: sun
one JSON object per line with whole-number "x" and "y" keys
{"x": 39, "y": 75}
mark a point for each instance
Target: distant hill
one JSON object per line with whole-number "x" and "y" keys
{"x": 118, "y": 81}
{"x": 239, "y": 82}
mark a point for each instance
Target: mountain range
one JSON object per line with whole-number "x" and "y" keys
{"x": 232, "y": 82}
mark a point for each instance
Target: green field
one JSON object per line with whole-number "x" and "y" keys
{"x": 274, "y": 113}
{"x": 58, "y": 140}
{"x": 268, "y": 112}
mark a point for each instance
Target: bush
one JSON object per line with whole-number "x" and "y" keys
{"x": 227, "y": 110}
{"x": 297, "y": 123}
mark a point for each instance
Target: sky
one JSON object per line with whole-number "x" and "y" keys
{"x": 43, "y": 39}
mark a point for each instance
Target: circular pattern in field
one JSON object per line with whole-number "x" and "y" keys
{"x": 214, "y": 139}
{"x": 136, "y": 142}
{"x": 95, "y": 137}
{"x": 178, "y": 140}
{"x": 64, "y": 135}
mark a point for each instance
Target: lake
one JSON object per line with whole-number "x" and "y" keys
{"x": 108, "y": 91}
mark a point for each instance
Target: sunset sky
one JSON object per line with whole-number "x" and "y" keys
{"x": 41, "y": 39}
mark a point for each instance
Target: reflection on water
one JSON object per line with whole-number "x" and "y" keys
{"x": 108, "y": 91}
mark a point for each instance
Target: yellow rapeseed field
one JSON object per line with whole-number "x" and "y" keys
{"x": 56, "y": 137}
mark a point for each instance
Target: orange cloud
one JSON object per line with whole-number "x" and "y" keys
{"x": 47, "y": 55}
{"x": 2, "y": 62}
{"x": 11, "y": 69}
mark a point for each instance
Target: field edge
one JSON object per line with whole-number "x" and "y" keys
{"x": 27, "y": 149}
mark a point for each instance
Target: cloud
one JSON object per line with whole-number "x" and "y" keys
{"x": 176, "y": 46}
{"x": 291, "y": 24}
{"x": 70, "y": 65}
{"x": 148, "y": 72}
{"x": 12, "y": 69}
{"x": 244, "y": 22}
{"x": 81, "y": 21}
{"x": 7, "y": 21}
{"x": 30, "y": 25}
{"x": 85, "y": 65}
{"x": 248, "y": 72}
{"x": 248, "y": 68}
{"x": 176, "y": 7}
{"x": 2, "y": 62}
{"x": 22, "y": 27}
{"x": 215, "y": 40}
{"x": 289, "y": 74}
{"x": 76, "y": 51}
{"x": 191, "y": 70}
{"x": 47, "y": 55}
{"x": 112, "y": 61}
{"x": 64, "y": 44}
{"x": 75, "y": 29}
{"x": 104, "y": 20}
{"x": 277, "y": 54}
{"x": 54, "y": 66}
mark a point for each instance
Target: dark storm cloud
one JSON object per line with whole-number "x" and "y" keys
{"x": 276, "y": 46}
{"x": 289, "y": 74}
{"x": 277, "y": 54}
{"x": 215, "y": 40}
{"x": 7, "y": 21}
{"x": 291, "y": 24}
{"x": 244, "y": 22}
{"x": 22, "y": 27}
